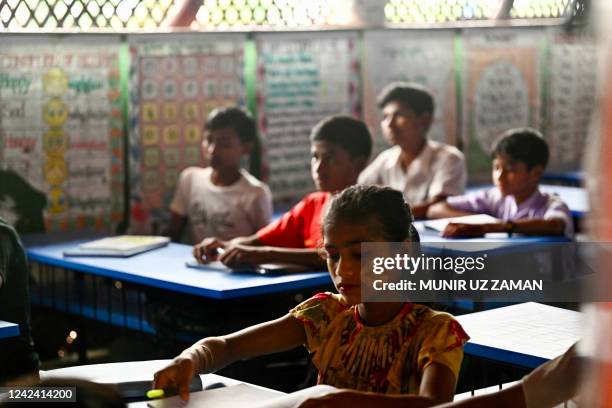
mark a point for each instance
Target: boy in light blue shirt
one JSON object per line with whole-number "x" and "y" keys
{"x": 519, "y": 160}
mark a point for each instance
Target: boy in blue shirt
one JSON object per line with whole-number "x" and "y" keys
{"x": 519, "y": 160}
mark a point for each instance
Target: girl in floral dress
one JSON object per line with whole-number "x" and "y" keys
{"x": 382, "y": 347}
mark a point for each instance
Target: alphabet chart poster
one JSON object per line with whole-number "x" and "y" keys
{"x": 301, "y": 79}
{"x": 61, "y": 126}
{"x": 424, "y": 57}
{"x": 175, "y": 81}
{"x": 572, "y": 81}
{"x": 502, "y": 89}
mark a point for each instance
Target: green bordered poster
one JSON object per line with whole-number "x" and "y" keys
{"x": 175, "y": 81}
{"x": 501, "y": 89}
{"x": 423, "y": 57}
{"x": 61, "y": 128}
{"x": 301, "y": 79}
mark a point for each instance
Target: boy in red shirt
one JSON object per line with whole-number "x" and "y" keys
{"x": 340, "y": 148}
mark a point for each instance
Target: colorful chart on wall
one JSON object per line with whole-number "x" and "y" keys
{"x": 501, "y": 90}
{"x": 61, "y": 126}
{"x": 424, "y": 57}
{"x": 572, "y": 81}
{"x": 301, "y": 79}
{"x": 175, "y": 81}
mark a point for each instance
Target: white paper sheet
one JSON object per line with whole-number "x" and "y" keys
{"x": 241, "y": 395}
{"x": 440, "y": 224}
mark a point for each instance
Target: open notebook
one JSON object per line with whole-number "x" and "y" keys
{"x": 120, "y": 246}
{"x": 263, "y": 269}
{"x": 244, "y": 395}
{"x": 440, "y": 224}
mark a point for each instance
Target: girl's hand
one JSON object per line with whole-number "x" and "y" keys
{"x": 207, "y": 250}
{"x": 176, "y": 376}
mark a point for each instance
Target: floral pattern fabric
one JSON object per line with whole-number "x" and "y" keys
{"x": 389, "y": 358}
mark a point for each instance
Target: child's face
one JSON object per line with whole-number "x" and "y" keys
{"x": 222, "y": 148}
{"x": 332, "y": 167}
{"x": 513, "y": 178}
{"x": 342, "y": 251}
{"x": 402, "y": 126}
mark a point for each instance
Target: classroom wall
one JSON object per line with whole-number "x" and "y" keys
{"x": 102, "y": 125}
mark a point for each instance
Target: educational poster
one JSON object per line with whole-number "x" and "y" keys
{"x": 61, "y": 127}
{"x": 424, "y": 57}
{"x": 501, "y": 90}
{"x": 301, "y": 79}
{"x": 175, "y": 81}
{"x": 572, "y": 79}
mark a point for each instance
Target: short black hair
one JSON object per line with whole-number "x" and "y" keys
{"x": 384, "y": 205}
{"x": 347, "y": 132}
{"x": 525, "y": 145}
{"x": 412, "y": 95}
{"x": 235, "y": 118}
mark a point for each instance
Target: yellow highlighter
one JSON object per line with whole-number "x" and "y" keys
{"x": 156, "y": 393}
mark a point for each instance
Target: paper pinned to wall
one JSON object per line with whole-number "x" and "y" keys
{"x": 426, "y": 58}
{"x": 301, "y": 78}
{"x": 175, "y": 81}
{"x": 572, "y": 81}
{"x": 61, "y": 126}
{"x": 501, "y": 89}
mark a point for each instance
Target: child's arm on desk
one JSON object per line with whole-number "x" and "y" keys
{"x": 213, "y": 353}
{"x": 420, "y": 210}
{"x": 208, "y": 249}
{"x": 441, "y": 209}
{"x": 555, "y": 226}
{"x": 238, "y": 255}
{"x": 249, "y": 251}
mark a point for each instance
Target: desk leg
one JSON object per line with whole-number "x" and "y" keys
{"x": 124, "y": 307}
{"x": 82, "y": 338}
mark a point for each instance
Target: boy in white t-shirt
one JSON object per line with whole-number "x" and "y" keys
{"x": 425, "y": 171}
{"x": 222, "y": 200}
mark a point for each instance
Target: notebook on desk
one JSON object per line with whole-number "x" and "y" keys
{"x": 263, "y": 269}
{"x": 120, "y": 246}
{"x": 440, "y": 224}
{"x": 245, "y": 395}
{"x": 240, "y": 395}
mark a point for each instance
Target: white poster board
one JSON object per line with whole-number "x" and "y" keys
{"x": 61, "y": 125}
{"x": 572, "y": 81}
{"x": 301, "y": 79}
{"x": 423, "y": 57}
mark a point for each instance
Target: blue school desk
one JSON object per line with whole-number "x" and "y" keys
{"x": 88, "y": 286}
{"x": 434, "y": 244}
{"x": 114, "y": 290}
{"x": 164, "y": 268}
{"x": 525, "y": 334}
{"x": 496, "y": 388}
{"x": 576, "y": 198}
{"x": 568, "y": 178}
{"x": 495, "y": 244}
{"x": 8, "y": 329}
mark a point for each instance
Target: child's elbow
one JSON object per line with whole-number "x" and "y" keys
{"x": 437, "y": 210}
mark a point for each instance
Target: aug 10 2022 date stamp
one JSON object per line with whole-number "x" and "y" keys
{"x": 37, "y": 394}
